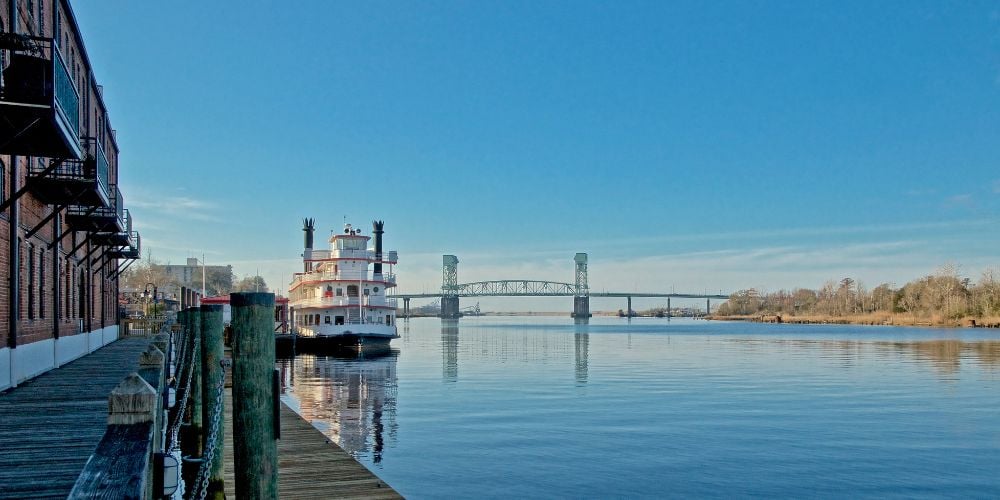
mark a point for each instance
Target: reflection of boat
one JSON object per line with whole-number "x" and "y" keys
{"x": 351, "y": 399}
{"x": 336, "y": 300}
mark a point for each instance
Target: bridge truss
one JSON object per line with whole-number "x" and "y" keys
{"x": 517, "y": 288}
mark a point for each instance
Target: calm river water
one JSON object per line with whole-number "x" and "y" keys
{"x": 541, "y": 407}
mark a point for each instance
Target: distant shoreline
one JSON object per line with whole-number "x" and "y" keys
{"x": 881, "y": 319}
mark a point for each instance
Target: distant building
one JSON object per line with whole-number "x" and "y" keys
{"x": 218, "y": 279}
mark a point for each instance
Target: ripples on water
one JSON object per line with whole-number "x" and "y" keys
{"x": 542, "y": 407}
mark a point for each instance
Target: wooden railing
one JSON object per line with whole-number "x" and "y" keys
{"x": 122, "y": 464}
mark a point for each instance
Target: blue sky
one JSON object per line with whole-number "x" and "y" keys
{"x": 687, "y": 145}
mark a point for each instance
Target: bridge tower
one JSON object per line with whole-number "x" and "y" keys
{"x": 581, "y": 301}
{"x": 449, "y": 288}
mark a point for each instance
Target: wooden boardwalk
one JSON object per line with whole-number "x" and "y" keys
{"x": 50, "y": 425}
{"x": 309, "y": 465}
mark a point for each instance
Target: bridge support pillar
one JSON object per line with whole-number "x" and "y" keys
{"x": 708, "y": 306}
{"x": 406, "y": 307}
{"x": 628, "y": 308}
{"x": 449, "y": 307}
{"x": 581, "y": 307}
{"x": 668, "y": 307}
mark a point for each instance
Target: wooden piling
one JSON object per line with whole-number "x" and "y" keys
{"x": 212, "y": 376}
{"x": 255, "y": 452}
{"x": 191, "y": 436}
{"x": 195, "y": 400}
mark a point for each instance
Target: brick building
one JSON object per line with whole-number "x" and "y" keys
{"x": 64, "y": 231}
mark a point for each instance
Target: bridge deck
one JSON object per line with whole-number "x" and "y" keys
{"x": 51, "y": 424}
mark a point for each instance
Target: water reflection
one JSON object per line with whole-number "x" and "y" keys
{"x": 511, "y": 344}
{"x": 352, "y": 400}
{"x": 449, "y": 350}
{"x": 946, "y": 356}
{"x": 581, "y": 341}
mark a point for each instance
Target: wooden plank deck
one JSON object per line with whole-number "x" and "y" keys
{"x": 309, "y": 465}
{"x": 50, "y": 425}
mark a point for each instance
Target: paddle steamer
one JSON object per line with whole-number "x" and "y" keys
{"x": 342, "y": 298}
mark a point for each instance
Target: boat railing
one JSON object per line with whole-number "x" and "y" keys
{"x": 356, "y": 276}
{"x": 346, "y": 302}
{"x": 388, "y": 257}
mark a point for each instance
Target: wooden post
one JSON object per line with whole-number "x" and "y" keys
{"x": 151, "y": 365}
{"x": 212, "y": 376}
{"x": 196, "y": 399}
{"x": 255, "y": 451}
{"x": 120, "y": 467}
{"x": 191, "y": 434}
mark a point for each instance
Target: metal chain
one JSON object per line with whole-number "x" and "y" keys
{"x": 201, "y": 482}
{"x": 183, "y": 406}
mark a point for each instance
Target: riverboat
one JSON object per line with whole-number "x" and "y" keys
{"x": 343, "y": 296}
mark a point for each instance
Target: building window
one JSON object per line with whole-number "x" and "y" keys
{"x": 68, "y": 306}
{"x": 31, "y": 281}
{"x": 81, "y": 306}
{"x": 41, "y": 280}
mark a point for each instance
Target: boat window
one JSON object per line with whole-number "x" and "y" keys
{"x": 340, "y": 292}
{"x": 326, "y": 320}
{"x": 352, "y": 290}
{"x": 367, "y": 292}
{"x": 375, "y": 289}
{"x": 338, "y": 320}
{"x": 317, "y": 319}
{"x": 388, "y": 319}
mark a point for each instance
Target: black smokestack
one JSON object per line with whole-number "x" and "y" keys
{"x": 307, "y": 227}
{"x": 377, "y": 226}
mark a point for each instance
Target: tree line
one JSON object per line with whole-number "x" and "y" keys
{"x": 943, "y": 295}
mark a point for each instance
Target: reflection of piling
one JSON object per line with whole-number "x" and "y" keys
{"x": 581, "y": 342}
{"x": 255, "y": 452}
{"x": 449, "y": 342}
{"x": 212, "y": 375}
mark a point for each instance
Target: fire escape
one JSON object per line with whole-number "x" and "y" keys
{"x": 39, "y": 110}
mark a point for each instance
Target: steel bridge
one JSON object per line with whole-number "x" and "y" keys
{"x": 451, "y": 290}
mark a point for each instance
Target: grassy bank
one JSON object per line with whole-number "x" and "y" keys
{"x": 877, "y": 318}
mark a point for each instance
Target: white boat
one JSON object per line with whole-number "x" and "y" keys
{"x": 342, "y": 298}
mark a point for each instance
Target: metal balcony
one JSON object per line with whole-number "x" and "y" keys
{"x": 39, "y": 103}
{"x": 105, "y": 219}
{"x": 133, "y": 250}
{"x": 77, "y": 182}
{"x": 115, "y": 238}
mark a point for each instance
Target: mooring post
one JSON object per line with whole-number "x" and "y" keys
{"x": 255, "y": 451}
{"x": 192, "y": 433}
{"x": 212, "y": 375}
{"x": 151, "y": 369}
{"x": 196, "y": 400}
